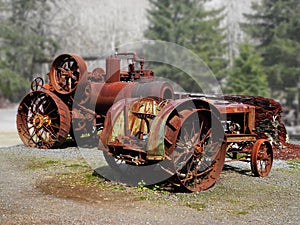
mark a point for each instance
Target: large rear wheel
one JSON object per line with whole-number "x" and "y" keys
{"x": 199, "y": 153}
{"x": 43, "y": 120}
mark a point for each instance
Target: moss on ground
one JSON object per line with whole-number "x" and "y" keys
{"x": 234, "y": 194}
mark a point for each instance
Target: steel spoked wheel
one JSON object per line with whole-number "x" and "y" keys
{"x": 200, "y": 150}
{"x": 43, "y": 121}
{"x": 37, "y": 84}
{"x": 261, "y": 158}
{"x": 66, "y": 72}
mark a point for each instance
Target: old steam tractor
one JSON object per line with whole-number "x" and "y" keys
{"x": 141, "y": 121}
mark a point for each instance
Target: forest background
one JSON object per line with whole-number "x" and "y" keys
{"x": 252, "y": 47}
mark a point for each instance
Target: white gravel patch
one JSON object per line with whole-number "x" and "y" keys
{"x": 277, "y": 164}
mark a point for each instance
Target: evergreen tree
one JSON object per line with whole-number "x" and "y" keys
{"x": 24, "y": 40}
{"x": 247, "y": 76}
{"x": 275, "y": 26}
{"x": 188, "y": 24}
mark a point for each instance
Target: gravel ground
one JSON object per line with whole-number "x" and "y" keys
{"x": 237, "y": 197}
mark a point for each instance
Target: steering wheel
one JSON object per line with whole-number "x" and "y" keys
{"x": 37, "y": 84}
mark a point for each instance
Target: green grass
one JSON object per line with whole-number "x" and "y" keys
{"x": 46, "y": 162}
{"x": 199, "y": 206}
{"x": 71, "y": 172}
{"x": 41, "y": 163}
{"x": 233, "y": 195}
{"x": 294, "y": 163}
{"x": 243, "y": 213}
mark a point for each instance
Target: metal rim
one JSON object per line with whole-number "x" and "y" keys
{"x": 261, "y": 158}
{"x": 43, "y": 120}
{"x": 66, "y": 72}
{"x": 199, "y": 155}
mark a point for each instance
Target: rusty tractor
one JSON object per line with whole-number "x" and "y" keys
{"x": 141, "y": 121}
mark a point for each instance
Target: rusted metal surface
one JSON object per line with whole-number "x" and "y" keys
{"x": 261, "y": 158}
{"x": 199, "y": 142}
{"x": 268, "y": 121}
{"x": 113, "y": 70}
{"x": 243, "y": 143}
{"x": 240, "y": 118}
{"x": 142, "y": 122}
{"x": 66, "y": 72}
{"x": 183, "y": 134}
{"x": 43, "y": 120}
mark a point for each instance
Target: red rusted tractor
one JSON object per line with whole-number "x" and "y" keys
{"x": 141, "y": 122}
{"x": 53, "y": 111}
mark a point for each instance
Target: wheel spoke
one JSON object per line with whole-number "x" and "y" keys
{"x": 65, "y": 73}
{"x": 205, "y": 137}
{"x": 198, "y": 156}
{"x": 29, "y": 108}
{"x": 47, "y": 106}
{"x": 33, "y": 134}
{"x": 261, "y": 158}
{"x": 50, "y": 131}
{"x": 40, "y": 124}
{"x": 26, "y": 117}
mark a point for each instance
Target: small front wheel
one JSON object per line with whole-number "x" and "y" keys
{"x": 261, "y": 158}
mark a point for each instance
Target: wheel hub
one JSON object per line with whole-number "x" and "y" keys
{"x": 40, "y": 120}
